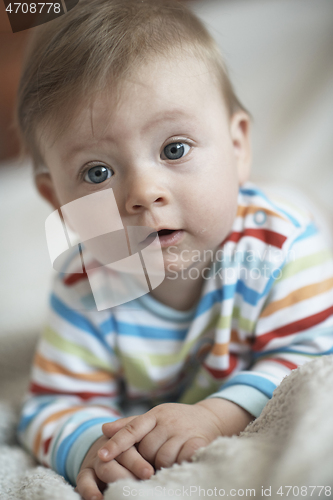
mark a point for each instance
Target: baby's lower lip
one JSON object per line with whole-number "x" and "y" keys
{"x": 172, "y": 238}
{"x": 165, "y": 239}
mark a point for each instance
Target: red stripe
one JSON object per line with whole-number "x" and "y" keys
{"x": 235, "y": 236}
{"x": 284, "y": 362}
{"x": 270, "y": 237}
{"x": 225, "y": 240}
{"x": 39, "y": 389}
{"x": 291, "y": 328}
{"x": 217, "y": 374}
{"x": 73, "y": 278}
{"x": 46, "y": 445}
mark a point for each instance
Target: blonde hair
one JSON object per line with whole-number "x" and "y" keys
{"x": 94, "y": 46}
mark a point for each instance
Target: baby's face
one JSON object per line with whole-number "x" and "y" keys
{"x": 168, "y": 150}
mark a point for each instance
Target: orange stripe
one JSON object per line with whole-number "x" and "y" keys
{"x": 306, "y": 292}
{"x": 220, "y": 349}
{"x": 236, "y": 339}
{"x": 52, "y": 367}
{"x": 242, "y": 211}
{"x": 52, "y": 418}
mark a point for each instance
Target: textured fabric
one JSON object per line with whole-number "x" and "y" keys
{"x": 265, "y": 309}
{"x": 289, "y": 444}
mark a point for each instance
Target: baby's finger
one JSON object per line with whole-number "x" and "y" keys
{"x": 132, "y": 433}
{"x": 133, "y": 461}
{"x": 152, "y": 442}
{"x": 109, "y": 472}
{"x": 190, "y": 447}
{"x": 86, "y": 485}
{"x": 110, "y": 428}
{"x": 168, "y": 452}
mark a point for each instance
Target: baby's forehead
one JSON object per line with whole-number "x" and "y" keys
{"x": 173, "y": 79}
{"x": 176, "y": 68}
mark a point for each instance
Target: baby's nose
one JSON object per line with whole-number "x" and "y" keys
{"x": 144, "y": 191}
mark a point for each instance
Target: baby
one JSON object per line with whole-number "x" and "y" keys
{"x": 134, "y": 96}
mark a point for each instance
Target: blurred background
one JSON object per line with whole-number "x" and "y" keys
{"x": 280, "y": 58}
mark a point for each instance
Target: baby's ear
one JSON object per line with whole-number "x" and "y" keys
{"x": 46, "y": 189}
{"x": 240, "y": 135}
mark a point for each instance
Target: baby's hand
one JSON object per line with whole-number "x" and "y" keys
{"x": 95, "y": 474}
{"x": 172, "y": 432}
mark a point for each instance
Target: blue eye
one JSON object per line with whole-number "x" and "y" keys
{"x": 176, "y": 150}
{"x": 98, "y": 174}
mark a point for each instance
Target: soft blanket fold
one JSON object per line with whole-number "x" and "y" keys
{"x": 286, "y": 452}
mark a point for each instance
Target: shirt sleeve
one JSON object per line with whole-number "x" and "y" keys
{"x": 294, "y": 326}
{"x": 74, "y": 385}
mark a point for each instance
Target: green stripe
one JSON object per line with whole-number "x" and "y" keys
{"x": 243, "y": 323}
{"x": 53, "y": 338}
{"x": 196, "y": 392}
{"x": 135, "y": 372}
{"x": 224, "y": 321}
{"x": 304, "y": 263}
{"x": 216, "y": 321}
{"x": 163, "y": 360}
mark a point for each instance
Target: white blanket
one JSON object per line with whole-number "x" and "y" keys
{"x": 285, "y": 453}
{"x": 280, "y": 57}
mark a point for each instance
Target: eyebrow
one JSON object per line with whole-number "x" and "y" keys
{"x": 166, "y": 116}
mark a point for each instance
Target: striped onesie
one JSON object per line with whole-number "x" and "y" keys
{"x": 266, "y": 307}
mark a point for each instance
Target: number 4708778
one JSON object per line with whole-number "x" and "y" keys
{"x": 303, "y": 491}
{"x": 33, "y": 8}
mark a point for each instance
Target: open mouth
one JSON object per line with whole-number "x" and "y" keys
{"x": 161, "y": 232}
{"x": 166, "y": 236}
{"x": 165, "y": 232}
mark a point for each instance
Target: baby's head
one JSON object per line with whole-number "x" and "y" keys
{"x": 133, "y": 95}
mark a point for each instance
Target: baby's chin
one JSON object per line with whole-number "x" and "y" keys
{"x": 184, "y": 269}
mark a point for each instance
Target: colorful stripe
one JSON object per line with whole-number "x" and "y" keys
{"x": 248, "y": 331}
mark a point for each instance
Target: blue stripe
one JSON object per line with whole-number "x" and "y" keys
{"x": 109, "y": 325}
{"x": 326, "y": 353}
{"x": 290, "y": 350}
{"x": 150, "y": 332}
{"x": 76, "y": 319}
{"x": 310, "y": 230}
{"x": 67, "y": 443}
{"x": 25, "y": 420}
{"x": 211, "y": 298}
{"x": 301, "y": 338}
{"x": 142, "y": 331}
{"x": 250, "y": 191}
{"x": 251, "y": 296}
{"x": 258, "y": 192}
{"x": 146, "y": 331}
{"x": 262, "y": 384}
